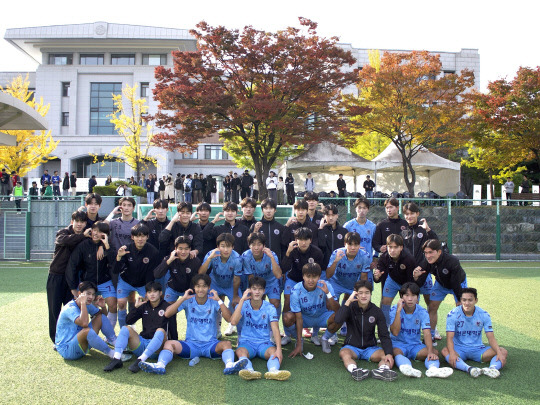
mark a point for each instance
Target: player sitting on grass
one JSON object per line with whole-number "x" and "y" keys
{"x": 409, "y": 322}
{"x": 312, "y": 306}
{"x": 151, "y": 310}
{"x": 464, "y": 326}
{"x": 201, "y": 340}
{"x": 362, "y": 316}
{"x": 259, "y": 321}
{"x": 76, "y": 333}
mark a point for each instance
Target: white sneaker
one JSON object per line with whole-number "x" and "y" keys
{"x": 230, "y": 330}
{"x": 443, "y": 372}
{"x": 316, "y": 340}
{"x": 475, "y": 372}
{"x": 325, "y": 346}
{"x": 285, "y": 340}
{"x": 409, "y": 371}
{"x": 437, "y": 335}
{"x": 491, "y": 372}
{"x": 333, "y": 339}
{"x": 343, "y": 331}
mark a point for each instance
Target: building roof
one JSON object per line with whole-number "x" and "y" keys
{"x": 15, "y": 114}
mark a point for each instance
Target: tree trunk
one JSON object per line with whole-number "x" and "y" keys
{"x": 407, "y": 166}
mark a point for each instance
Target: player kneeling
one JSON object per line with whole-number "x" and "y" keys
{"x": 408, "y": 321}
{"x": 259, "y": 321}
{"x": 464, "y": 326}
{"x": 202, "y": 310}
{"x": 362, "y": 316}
{"x": 155, "y": 326}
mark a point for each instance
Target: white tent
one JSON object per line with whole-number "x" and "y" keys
{"x": 433, "y": 173}
{"x": 326, "y": 160}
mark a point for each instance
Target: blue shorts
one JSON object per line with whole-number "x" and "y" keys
{"x": 289, "y": 285}
{"x": 172, "y": 295}
{"x": 339, "y": 289}
{"x": 473, "y": 353}
{"x": 320, "y": 321}
{"x": 410, "y": 351}
{"x": 273, "y": 290}
{"x": 71, "y": 350}
{"x": 391, "y": 288}
{"x": 164, "y": 280}
{"x": 228, "y": 292}
{"x": 107, "y": 289}
{"x": 438, "y": 292}
{"x": 428, "y": 286}
{"x": 123, "y": 289}
{"x": 244, "y": 283}
{"x": 362, "y": 354}
{"x": 143, "y": 344}
{"x": 258, "y": 350}
{"x": 192, "y": 349}
{"x": 323, "y": 275}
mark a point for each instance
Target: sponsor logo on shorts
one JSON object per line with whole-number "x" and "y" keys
{"x": 146, "y": 260}
{"x": 371, "y": 319}
{"x": 276, "y": 231}
{"x": 340, "y": 236}
{"x": 445, "y": 271}
{"x": 161, "y": 312}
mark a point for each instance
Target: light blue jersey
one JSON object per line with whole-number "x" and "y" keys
{"x": 468, "y": 329}
{"x": 309, "y": 303}
{"x": 366, "y": 233}
{"x": 222, "y": 274}
{"x": 66, "y": 328}
{"x": 262, "y": 268}
{"x": 256, "y": 327}
{"x": 412, "y": 325}
{"x": 348, "y": 271}
{"x": 201, "y": 319}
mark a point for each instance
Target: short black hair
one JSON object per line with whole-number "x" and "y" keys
{"x": 397, "y": 239}
{"x": 434, "y": 244}
{"x": 86, "y": 285}
{"x": 91, "y": 196}
{"x": 392, "y": 201}
{"x": 409, "y": 286}
{"x": 330, "y": 208}
{"x": 79, "y": 216}
{"x": 363, "y": 283}
{"x": 182, "y": 239}
{"x": 268, "y": 202}
{"x": 470, "y": 290}
{"x": 204, "y": 277}
{"x": 183, "y": 205}
{"x": 129, "y": 199}
{"x": 361, "y": 200}
{"x": 301, "y": 205}
{"x": 411, "y": 207}
{"x": 303, "y": 234}
{"x": 352, "y": 238}
{"x": 161, "y": 203}
{"x": 248, "y": 201}
{"x": 153, "y": 285}
{"x": 256, "y": 236}
{"x": 257, "y": 281}
{"x": 225, "y": 237}
{"x": 230, "y": 206}
{"x": 310, "y": 196}
{"x": 204, "y": 206}
{"x": 102, "y": 227}
{"x": 140, "y": 229}
{"x": 311, "y": 269}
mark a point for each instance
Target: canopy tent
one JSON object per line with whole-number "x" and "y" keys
{"x": 326, "y": 160}
{"x": 433, "y": 173}
{"x": 15, "y": 114}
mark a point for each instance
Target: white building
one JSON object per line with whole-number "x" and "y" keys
{"x": 80, "y": 65}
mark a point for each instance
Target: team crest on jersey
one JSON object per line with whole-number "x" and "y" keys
{"x": 369, "y": 231}
{"x": 402, "y": 227}
{"x": 402, "y": 266}
{"x": 445, "y": 271}
{"x": 146, "y": 260}
{"x": 209, "y": 311}
{"x": 417, "y": 321}
{"x": 479, "y": 323}
{"x": 264, "y": 316}
{"x": 419, "y": 234}
{"x": 310, "y": 260}
{"x": 188, "y": 270}
{"x": 238, "y": 234}
{"x": 318, "y": 222}
{"x": 161, "y": 312}
{"x": 276, "y": 231}
{"x": 190, "y": 237}
{"x": 340, "y": 236}
{"x": 371, "y": 319}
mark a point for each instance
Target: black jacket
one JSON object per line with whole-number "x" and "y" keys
{"x": 246, "y": 181}
{"x": 239, "y": 231}
{"x": 307, "y": 224}
{"x": 247, "y": 223}
{"x": 156, "y": 227}
{"x": 447, "y": 271}
{"x": 414, "y": 238}
{"x": 276, "y": 236}
{"x": 386, "y": 228}
{"x": 64, "y": 244}
{"x": 83, "y": 264}
{"x": 73, "y": 181}
{"x": 65, "y": 183}
{"x": 137, "y": 267}
{"x": 316, "y": 218}
{"x": 400, "y": 271}
{"x": 361, "y": 326}
{"x": 152, "y": 318}
{"x": 293, "y": 264}
{"x": 329, "y": 240}
{"x": 181, "y": 272}
{"x": 192, "y": 231}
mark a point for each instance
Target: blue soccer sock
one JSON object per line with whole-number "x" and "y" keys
{"x": 153, "y": 345}
{"x": 112, "y": 317}
{"x": 228, "y": 357}
{"x": 315, "y": 332}
{"x": 495, "y": 363}
{"x": 121, "y": 342}
{"x": 165, "y": 357}
{"x": 290, "y": 330}
{"x": 431, "y": 363}
{"x": 97, "y": 343}
{"x": 273, "y": 364}
{"x": 386, "y": 311}
{"x": 278, "y": 310}
{"x": 107, "y": 329}
{"x": 249, "y": 365}
{"x": 460, "y": 364}
{"x": 401, "y": 360}
{"x": 326, "y": 335}
{"x": 122, "y": 313}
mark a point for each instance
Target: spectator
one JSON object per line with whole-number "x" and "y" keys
{"x": 142, "y": 181}
{"x": 33, "y": 192}
{"x": 255, "y": 190}
{"x": 4, "y": 184}
{"x": 18, "y": 194}
{"x": 179, "y": 188}
{"x": 246, "y": 182}
{"x": 369, "y": 185}
{"x": 309, "y": 183}
{"x": 271, "y": 186}
{"x": 197, "y": 189}
{"x": 92, "y": 182}
{"x": 73, "y": 183}
{"x": 211, "y": 185}
{"x": 341, "y": 186}
{"x": 169, "y": 188}
{"x": 187, "y": 188}
{"x": 55, "y": 179}
{"x": 235, "y": 188}
{"x": 280, "y": 191}
{"x": 227, "y": 188}
{"x": 65, "y": 185}
{"x": 161, "y": 188}
{"x": 509, "y": 188}
{"x": 289, "y": 188}
{"x": 46, "y": 177}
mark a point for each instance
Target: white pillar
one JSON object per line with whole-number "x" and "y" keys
{"x": 477, "y": 194}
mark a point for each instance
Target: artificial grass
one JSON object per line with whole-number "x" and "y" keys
{"x": 33, "y": 373}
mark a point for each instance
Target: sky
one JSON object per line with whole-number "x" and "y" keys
{"x": 504, "y": 32}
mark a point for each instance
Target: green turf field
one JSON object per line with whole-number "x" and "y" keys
{"x": 31, "y": 372}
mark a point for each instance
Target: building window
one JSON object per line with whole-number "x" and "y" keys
{"x": 102, "y": 106}
{"x": 122, "y": 59}
{"x": 61, "y": 59}
{"x": 215, "y": 152}
{"x": 65, "y": 119}
{"x": 192, "y": 155}
{"x": 65, "y": 89}
{"x": 91, "y": 59}
{"x": 145, "y": 87}
{"x": 154, "y": 59}
{"x": 449, "y": 72}
{"x": 102, "y": 168}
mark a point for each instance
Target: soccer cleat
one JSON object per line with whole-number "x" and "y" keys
{"x": 249, "y": 375}
{"x": 491, "y": 372}
{"x": 279, "y": 375}
{"x": 333, "y": 339}
{"x": 474, "y": 372}
{"x": 326, "y": 346}
{"x": 236, "y": 367}
{"x": 114, "y": 364}
{"x": 306, "y": 332}
{"x": 409, "y": 371}
{"x": 231, "y": 329}
{"x": 384, "y": 374}
{"x": 125, "y": 357}
{"x": 343, "y": 331}
{"x": 437, "y": 335}
{"x": 443, "y": 372}
{"x": 134, "y": 368}
{"x": 285, "y": 340}
{"x": 153, "y": 368}
{"x": 316, "y": 340}
{"x": 359, "y": 374}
